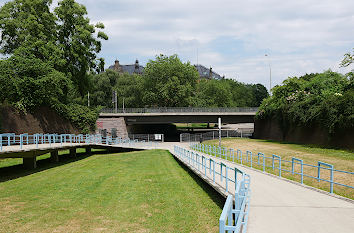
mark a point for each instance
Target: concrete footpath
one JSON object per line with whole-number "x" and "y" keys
{"x": 279, "y": 206}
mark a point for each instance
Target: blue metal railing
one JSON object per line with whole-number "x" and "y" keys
{"x": 276, "y": 162}
{"x": 179, "y": 109}
{"x": 11, "y": 139}
{"x": 232, "y": 218}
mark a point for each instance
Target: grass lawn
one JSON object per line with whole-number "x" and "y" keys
{"x": 146, "y": 191}
{"x": 341, "y": 159}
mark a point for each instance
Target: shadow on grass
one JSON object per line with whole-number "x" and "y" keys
{"x": 216, "y": 197}
{"x": 17, "y": 171}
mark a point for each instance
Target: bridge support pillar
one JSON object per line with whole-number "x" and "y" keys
{"x": 54, "y": 156}
{"x": 30, "y": 163}
{"x": 88, "y": 150}
{"x": 73, "y": 152}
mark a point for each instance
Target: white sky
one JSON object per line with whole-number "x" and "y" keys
{"x": 301, "y": 36}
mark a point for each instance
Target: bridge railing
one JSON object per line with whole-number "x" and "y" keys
{"x": 232, "y": 218}
{"x": 177, "y": 110}
{"x": 147, "y": 137}
{"x": 11, "y": 139}
{"x": 296, "y": 168}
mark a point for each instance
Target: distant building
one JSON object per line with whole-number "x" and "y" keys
{"x": 138, "y": 69}
{"x": 130, "y": 69}
{"x": 207, "y": 73}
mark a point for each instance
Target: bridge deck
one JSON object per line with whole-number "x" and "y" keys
{"x": 276, "y": 206}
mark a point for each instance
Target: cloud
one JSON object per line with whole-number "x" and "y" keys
{"x": 232, "y": 36}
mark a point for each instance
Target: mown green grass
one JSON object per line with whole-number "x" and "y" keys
{"x": 147, "y": 191}
{"x": 341, "y": 159}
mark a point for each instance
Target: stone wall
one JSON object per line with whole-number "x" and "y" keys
{"x": 112, "y": 123}
{"x": 271, "y": 129}
{"x": 42, "y": 120}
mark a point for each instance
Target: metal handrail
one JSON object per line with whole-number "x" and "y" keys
{"x": 178, "y": 109}
{"x": 275, "y": 158}
{"x": 8, "y": 140}
{"x": 231, "y": 219}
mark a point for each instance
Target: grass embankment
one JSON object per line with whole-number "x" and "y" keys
{"x": 145, "y": 191}
{"x": 341, "y": 159}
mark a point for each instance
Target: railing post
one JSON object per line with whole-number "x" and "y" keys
{"x": 197, "y": 156}
{"x": 226, "y": 177}
{"x": 204, "y": 161}
{"x": 249, "y": 152}
{"x": 330, "y": 166}
{"x": 279, "y": 159}
{"x": 331, "y": 178}
{"x": 239, "y": 151}
{"x": 214, "y": 171}
{"x": 273, "y": 162}
{"x": 221, "y": 164}
{"x": 302, "y": 173}
{"x": 21, "y": 140}
{"x": 37, "y": 139}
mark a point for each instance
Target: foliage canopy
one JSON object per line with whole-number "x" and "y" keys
{"x": 48, "y": 53}
{"x": 324, "y": 99}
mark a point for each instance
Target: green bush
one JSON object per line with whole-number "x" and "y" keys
{"x": 323, "y": 99}
{"x": 82, "y": 117}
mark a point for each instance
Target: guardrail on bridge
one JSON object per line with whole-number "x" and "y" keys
{"x": 177, "y": 110}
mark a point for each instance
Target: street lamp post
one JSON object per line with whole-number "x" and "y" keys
{"x": 270, "y": 75}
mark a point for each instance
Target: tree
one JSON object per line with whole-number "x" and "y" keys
{"x": 214, "y": 93}
{"x": 260, "y": 93}
{"x": 29, "y": 82}
{"x": 48, "y": 56}
{"x": 130, "y": 87}
{"x": 324, "y": 100}
{"x": 348, "y": 59}
{"x": 102, "y": 87}
{"x": 78, "y": 43}
{"x": 168, "y": 82}
{"x": 29, "y": 25}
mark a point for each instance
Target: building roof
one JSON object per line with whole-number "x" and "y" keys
{"x": 129, "y": 69}
{"x": 205, "y": 72}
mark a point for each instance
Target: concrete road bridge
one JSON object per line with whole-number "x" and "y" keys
{"x": 276, "y": 204}
{"x": 134, "y": 116}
